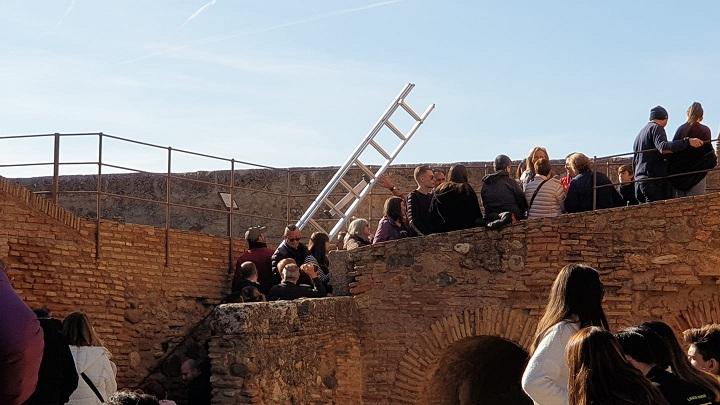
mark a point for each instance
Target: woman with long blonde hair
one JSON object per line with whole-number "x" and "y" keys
{"x": 526, "y": 169}
{"x": 92, "y": 361}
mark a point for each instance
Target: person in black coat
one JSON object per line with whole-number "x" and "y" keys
{"x": 290, "y": 248}
{"x": 627, "y": 187}
{"x": 500, "y": 193}
{"x": 58, "y": 377}
{"x": 289, "y": 288}
{"x": 580, "y": 193}
{"x": 692, "y": 159}
{"x": 454, "y": 203}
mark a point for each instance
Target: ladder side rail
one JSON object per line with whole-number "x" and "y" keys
{"x": 353, "y": 207}
{"x": 317, "y": 203}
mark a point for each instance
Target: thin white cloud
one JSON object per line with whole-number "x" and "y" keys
{"x": 222, "y": 38}
{"x": 198, "y": 12}
{"x": 68, "y": 10}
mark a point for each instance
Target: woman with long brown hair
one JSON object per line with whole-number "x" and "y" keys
{"x": 390, "y": 226}
{"x": 692, "y": 159}
{"x": 92, "y": 361}
{"x": 599, "y": 374}
{"x": 675, "y": 358}
{"x": 454, "y": 203}
{"x": 575, "y": 302}
{"x": 526, "y": 169}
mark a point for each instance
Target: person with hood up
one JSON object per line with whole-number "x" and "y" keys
{"x": 92, "y": 362}
{"x": 454, "y": 203}
{"x": 500, "y": 193}
{"x": 21, "y": 345}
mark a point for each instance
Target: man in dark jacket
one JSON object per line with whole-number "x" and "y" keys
{"x": 676, "y": 391}
{"x": 289, "y": 288}
{"x": 261, "y": 255}
{"x": 579, "y": 197}
{"x": 196, "y": 375}
{"x": 58, "y": 377}
{"x": 245, "y": 287}
{"x": 651, "y": 147}
{"x": 500, "y": 193}
{"x": 418, "y": 201}
{"x": 291, "y": 248}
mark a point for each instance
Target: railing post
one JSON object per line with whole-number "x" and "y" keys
{"x": 594, "y": 205}
{"x": 98, "y": 199}
{"x": 230, "y": 215}
{"x": 287, "y": 199}
{"x": 56, "y": 169}
{"x": 167, "y": 206}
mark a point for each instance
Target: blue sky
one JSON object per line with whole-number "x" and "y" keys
{"x": 289, "y": 83}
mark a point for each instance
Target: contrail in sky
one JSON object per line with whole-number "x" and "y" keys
{"x": 222, "y": 38}
{"x": 67, "y": 12}
{"x": 198, "y": 12}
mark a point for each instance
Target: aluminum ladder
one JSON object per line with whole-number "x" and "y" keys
{"x": 343, "y": 210}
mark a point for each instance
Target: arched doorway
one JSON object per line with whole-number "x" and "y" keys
{"x": 478, "y": 370}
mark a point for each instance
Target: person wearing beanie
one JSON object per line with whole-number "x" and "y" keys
{"x": 651, "y": 147}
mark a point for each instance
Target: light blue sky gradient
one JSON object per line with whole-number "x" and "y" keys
{"x": 290, "y": 83}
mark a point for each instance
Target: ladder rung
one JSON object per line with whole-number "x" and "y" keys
{"x": 333, "y": 208}
{"x": 316, "y": 225}
{"x": 348, "y": 187}
{"x": 365, "y": 169}
{"x": 410, "y": 110}
{"x": 379, "y": 149}
{"x": 395, "y": 130}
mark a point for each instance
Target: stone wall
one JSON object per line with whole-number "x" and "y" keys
{"x": 293, "y": 352}
{"x": 423, "y": 303}
{"x": 141, "y": 308}
{"x": 268, "y": 197}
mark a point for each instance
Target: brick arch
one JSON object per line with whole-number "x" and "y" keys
{"x": 697, "y": 313}
{"x": 423, "y": 356}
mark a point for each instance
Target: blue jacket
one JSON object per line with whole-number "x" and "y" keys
{"x": 580, "y": 193}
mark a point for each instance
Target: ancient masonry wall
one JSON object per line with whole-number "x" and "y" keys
{"x": 140, "y": 307}
{"x": 418, "y": 299}
{"x": 293, "y": 352}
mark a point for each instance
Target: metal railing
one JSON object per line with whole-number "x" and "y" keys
{"x": 630, "y": 155}
{"x": 101, "y": 163}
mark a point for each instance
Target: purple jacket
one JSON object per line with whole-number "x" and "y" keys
{"x": 21, "y": 346}
{"x": 387, "y": 230}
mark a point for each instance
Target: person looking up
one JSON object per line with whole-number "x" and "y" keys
{"x": 500, "y": 193}
{"x": 599, "y": 374}
{"x": 692, "y": 159}
{"x": 92, "y": 362}
{"x": 289, "y": 289}
{"x": 575, "y": 302}
{"x": 704, "y": 348}
{"x": 651, "y": 147}
{"x": 418, "y": 201}
{"x": 454, "y": 204}
{"x": 677, "y": 360}
{"x": 626, "y": 189}
{"x": 580, "y": 193}
{"x": 545, "y": 194}
{"x": 676, "y": 391}
{"x": 290, "y": 248}
{"x": 358, "y": 234}
{"x": 526, "y": 170}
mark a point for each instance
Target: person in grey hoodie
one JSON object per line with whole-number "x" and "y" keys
{"x": 92, "y": 362}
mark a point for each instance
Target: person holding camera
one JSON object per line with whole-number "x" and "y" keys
{"x": 289, "y": 289}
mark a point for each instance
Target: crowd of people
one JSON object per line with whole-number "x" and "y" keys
{"x": 576, "y": 360}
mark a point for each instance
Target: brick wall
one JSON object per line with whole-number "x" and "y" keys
{"x": 140, "y": 307}
{"x": 418, "y": 299}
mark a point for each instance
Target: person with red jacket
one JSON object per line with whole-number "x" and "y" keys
{"x": 259, "y": 254}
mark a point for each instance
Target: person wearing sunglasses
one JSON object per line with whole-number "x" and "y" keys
{"x": 291, "y": 248}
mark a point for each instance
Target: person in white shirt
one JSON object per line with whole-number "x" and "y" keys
{"x": 91, "y": 359}
{"x": 544, "y": 193}
{"x": 575, "y": 302}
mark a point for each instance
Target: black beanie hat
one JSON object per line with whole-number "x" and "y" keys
{"x": 658, "y": 113}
